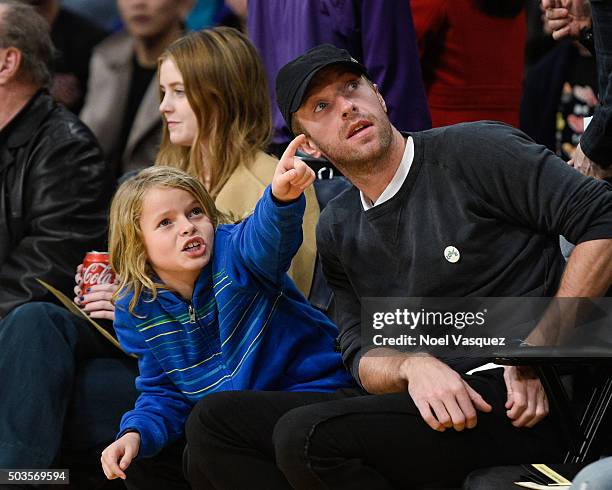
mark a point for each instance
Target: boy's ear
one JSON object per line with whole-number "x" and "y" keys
{"x": 380, "y": 97}
{"x": 310, "y": 148}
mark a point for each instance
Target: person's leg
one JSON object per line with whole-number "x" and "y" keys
{"x": 103, "y": 391}
{"x": 229, "y": 438}
{"x": 383, "y": 443}
{"x": 161, "y": 471}
{"x": 40, "y": 345}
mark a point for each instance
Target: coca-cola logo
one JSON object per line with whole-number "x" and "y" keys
{"x": 97, "y": 273}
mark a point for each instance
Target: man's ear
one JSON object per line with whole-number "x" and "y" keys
{"x": 10, "y": 61}
{"x": 380, "y": 97}
{"x": 310, "y": 148}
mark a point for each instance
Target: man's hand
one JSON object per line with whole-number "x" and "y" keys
{"x": 292, "y": 175}
{"x": 527, "y": 403}
{"x": 97, "y": 301}
{"x": 566, "y": 18}
{"x": 118, "y": 456}
{"x": 584, "y": 164}
{"x": 443, "y": 398}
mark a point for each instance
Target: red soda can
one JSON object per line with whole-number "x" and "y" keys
{"x": 96, "y": 270}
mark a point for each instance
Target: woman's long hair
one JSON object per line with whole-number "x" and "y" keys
{"x": 225, "y": 84}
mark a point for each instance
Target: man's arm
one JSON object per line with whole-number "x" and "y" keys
{"x": 443, "y": 398}
{"x": 588, "y": 274}
{"x": 65, "y": 198}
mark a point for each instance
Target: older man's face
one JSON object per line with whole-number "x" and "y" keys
{"x": 149, "y": 19}
{"x": 345, "y": 117}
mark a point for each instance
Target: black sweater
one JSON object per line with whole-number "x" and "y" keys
{"x": 484, "y": 188}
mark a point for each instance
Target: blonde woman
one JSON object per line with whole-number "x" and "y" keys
{"x": 216, "y": 109}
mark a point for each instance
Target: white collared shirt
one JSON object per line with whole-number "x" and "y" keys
{"x": 398, "y": 179}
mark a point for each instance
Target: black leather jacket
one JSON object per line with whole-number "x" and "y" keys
{"x": 55, "y": 188}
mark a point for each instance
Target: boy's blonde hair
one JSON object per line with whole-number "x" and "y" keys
{"x": 225, "y": 84}
{"x": 128, "y": 256}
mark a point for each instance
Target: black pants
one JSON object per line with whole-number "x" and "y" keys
{"x": 162, "y": 471}
{"x": 347, "y": 440}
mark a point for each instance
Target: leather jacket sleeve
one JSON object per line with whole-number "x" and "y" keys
{"x": 57, "y": 193}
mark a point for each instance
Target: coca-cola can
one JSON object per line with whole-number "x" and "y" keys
{"x": 96, "y": 270}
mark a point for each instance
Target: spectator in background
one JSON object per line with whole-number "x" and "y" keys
{"x": 74, "y": 38}
{"x": 472, "y": 58}
{"x": 54, "y": 191}
{"x": 379, "y": 33}
{"x": 572, "y": 18}
{"x": 558, "y": 93}
{"x": 54, "y": 183}
{"x": 122, "y": 97}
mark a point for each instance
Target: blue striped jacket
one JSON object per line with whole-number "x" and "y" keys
{"x": 246, "y": 327}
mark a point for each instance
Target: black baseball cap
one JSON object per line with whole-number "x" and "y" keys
{"x": 293, "y": 78}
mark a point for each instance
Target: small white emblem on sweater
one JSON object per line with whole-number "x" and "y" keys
{"x": 452, "y": 254}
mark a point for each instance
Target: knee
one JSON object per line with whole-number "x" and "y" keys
{"x": 32, "y": 321}
{"x": 292, "y": 437}
{"x": 209, "y": 416}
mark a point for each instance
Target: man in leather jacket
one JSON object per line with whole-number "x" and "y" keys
{"x": 54, "y": 183}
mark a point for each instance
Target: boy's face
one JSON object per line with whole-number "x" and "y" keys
{"x": 177, "y": 235}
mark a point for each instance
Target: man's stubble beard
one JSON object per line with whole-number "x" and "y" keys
{"x": 351, "y": 161}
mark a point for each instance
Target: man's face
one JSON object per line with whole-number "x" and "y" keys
{"x": 344, "y": 117}
{"x": 147, "y": 19}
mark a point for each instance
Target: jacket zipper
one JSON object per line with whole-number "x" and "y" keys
{"x": 192, "y": 315}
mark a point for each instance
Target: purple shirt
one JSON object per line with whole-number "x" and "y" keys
{"x": 378, "y": 33}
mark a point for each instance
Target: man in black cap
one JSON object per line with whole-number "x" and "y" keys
{"x": 466, "y": 210}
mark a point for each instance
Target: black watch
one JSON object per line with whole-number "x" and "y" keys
{"x": 586, "y": 39}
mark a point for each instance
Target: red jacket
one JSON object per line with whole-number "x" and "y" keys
{"x": 472, "y": 63}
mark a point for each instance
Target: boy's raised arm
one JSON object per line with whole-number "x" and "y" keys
{"x": 265, "y": 243}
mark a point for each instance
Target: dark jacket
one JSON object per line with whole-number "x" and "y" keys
{"x": 54, "y": 193}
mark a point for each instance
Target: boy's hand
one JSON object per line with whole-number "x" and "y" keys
{"x": 118, "y": 456}
{"x": 292, "y": 175}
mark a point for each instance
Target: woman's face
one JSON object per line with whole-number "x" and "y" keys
{"x": 175, "y": 109}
